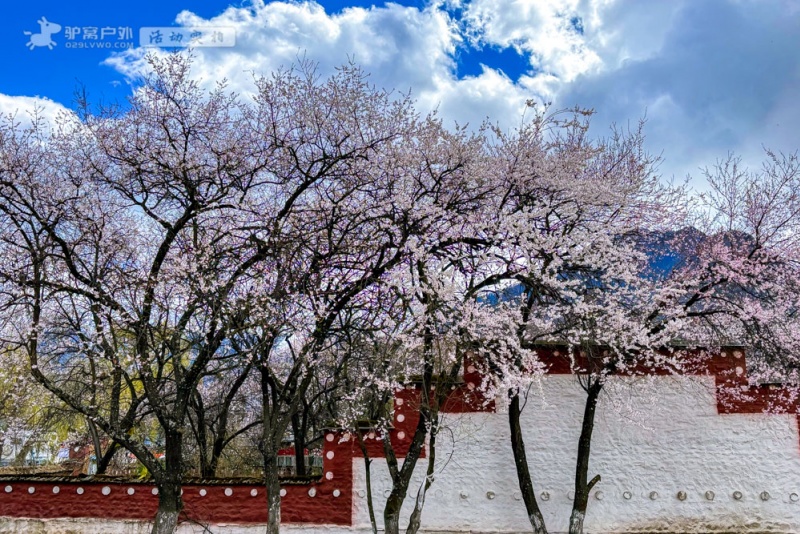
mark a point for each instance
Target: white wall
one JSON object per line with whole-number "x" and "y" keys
{"x": 663, "y": 434}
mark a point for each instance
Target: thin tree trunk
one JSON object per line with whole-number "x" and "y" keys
{"x": 523, "y": 471}
{"x": 582, "y": 485}
{"x": 104, "y": 461}
{"x": 98, "y": 447}
{"x": 270, "y": 444}
{"x": 416, "y": 516}
{"x": 368, "y": 476}
{"x": 402, "y": 477}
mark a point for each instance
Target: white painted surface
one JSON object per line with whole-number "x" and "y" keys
{"x": 664, "y": 435}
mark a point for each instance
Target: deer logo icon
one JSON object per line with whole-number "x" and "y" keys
{"x": 42, "y": 38}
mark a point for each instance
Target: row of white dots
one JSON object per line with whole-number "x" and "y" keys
{"x": 106, "y": 490}
{"x": 371, "y": 435}
{"x": 627, "y": 495}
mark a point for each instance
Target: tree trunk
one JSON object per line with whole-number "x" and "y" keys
{"x": 273, "y": 487}
{"x": 22, "y": 454}
{"x": 582, "y": 485}
{"x": 416, "y": 516}
{"x": 104, "y": 461}
{"x": 96, "y": 445}
{"x": 170, "y": 503}
{"x": 169, "y": 507}
{"x": 523, "y": 471}
{"x": 299, "y": 446}
{"x": 368, "y": 477}
{"x": 391, "y": 514}
{"x": 402, "y": 477}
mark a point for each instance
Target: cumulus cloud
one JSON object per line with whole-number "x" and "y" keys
{"x": 25, "y": 109}
{"x": 551, "y": 32}
{"x": 711, "y": 75}
{"x": 403, "y": 48}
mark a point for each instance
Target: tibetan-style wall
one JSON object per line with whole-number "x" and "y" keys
{"x": 694, "y": 453}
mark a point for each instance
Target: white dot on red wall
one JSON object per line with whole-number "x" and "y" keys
{"x": 336, "y": 493}
{"x": 228, "y": 492}
{"x": 329, "y": 475}
{"x": 154, "y": 491}
{"x": 131, "y": 491}
{"x": 739, "y": 371}
{"x": 31, "y": 489}
{"x": 737, "y": 354}
{"x": 253, "y": 492}
{"x": 401, "y": 418}
{"x": 9, "y": 489}
{"x": 106, "y": 490}
{"x": 401, "y": 435}
{"x": 79, "y": 491}
{"x": 329, "y": 455}
{"x": 283, "y": 493}
{"x": 329, "y": 437}
{"x": 399, "y": 402}
{"x": 203, "y": 492}
{"x": 312, "y": 492}
{"x": 56, "y": 489}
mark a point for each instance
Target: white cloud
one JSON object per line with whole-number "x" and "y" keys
{"x": 712, "y": 75}
{"x": 552, "y": 32}
{"x": 24, "y": 108}
{"x": 403, "y": 48}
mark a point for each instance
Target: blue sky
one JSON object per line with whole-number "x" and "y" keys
{"x": 712, "y": 76}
